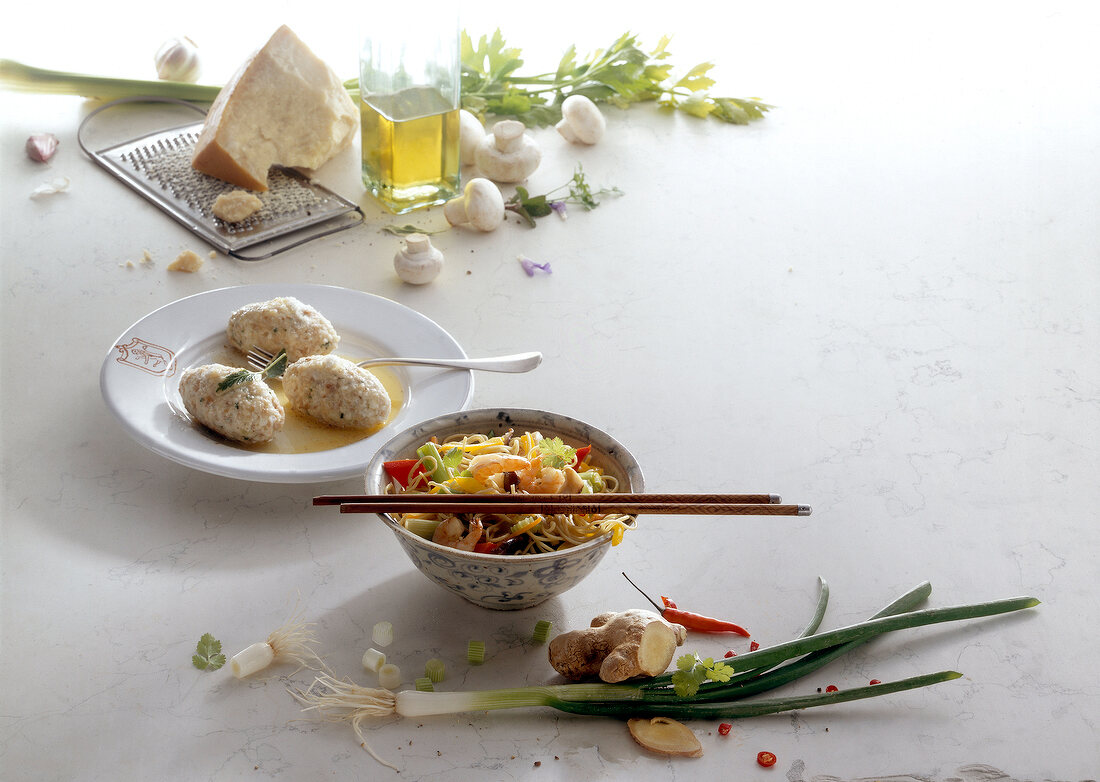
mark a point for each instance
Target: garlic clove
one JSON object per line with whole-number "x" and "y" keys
{"x": 42, "y": 146}
{"x": 178, "y": 60}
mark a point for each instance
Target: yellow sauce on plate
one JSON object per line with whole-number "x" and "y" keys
{"x": 303, "y": 434}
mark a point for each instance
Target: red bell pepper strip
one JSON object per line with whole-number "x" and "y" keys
{"x": 401, "y": 470}
{"x": 697, "y": 622}
{"x": 485, "y": 547}
{"x": 582, "y": 454}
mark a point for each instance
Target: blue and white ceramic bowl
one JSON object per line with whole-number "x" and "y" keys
{"x": 505, "y": 582}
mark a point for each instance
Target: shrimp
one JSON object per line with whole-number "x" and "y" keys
{"x": 452, "y": 533}
{"x": 533, "y": 477}
{"x": 537, "y": 479}
{"x": 485, "y": 465}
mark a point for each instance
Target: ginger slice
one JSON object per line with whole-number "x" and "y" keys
{"x": 665, "y": 736}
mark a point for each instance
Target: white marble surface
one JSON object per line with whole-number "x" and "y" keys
{"x": 881, "y": 301}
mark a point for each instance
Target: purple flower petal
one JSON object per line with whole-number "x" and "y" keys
{"x": 530, "y": 266}
{"x": 559, "y": 207}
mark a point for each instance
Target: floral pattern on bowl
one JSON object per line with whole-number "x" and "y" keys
{"x": 505, "y": 582}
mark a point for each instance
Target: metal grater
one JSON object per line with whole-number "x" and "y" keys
{"x": 158, "y": 167}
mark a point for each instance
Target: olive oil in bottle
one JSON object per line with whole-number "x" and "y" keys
{"x": 410, "y": 82}
{"x": 410, "y": 148}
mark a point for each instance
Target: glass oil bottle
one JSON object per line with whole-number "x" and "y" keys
{"x": 410, "y": 80}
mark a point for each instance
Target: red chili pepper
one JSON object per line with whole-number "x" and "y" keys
{"x": 697, "y": 622}
{"x": 401, "y": 470}
{"x": 582, "y": 454}
{"x": 668, "y": 603}
{"x": 753, "y": 646}
{"x": 485, "y": 547}
{"x": 702, "y": 624}
{"x": 874, "y": 681}
{"x": 730, "y": 653}
{"x": 832, "y": 688}
{"x": 765, "y": 759}
{"x": 724, "y": 729}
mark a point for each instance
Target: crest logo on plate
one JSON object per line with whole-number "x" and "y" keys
{"x": 147, "y": 357}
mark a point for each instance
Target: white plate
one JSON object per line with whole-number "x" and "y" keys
{"x": 140, "y": 377}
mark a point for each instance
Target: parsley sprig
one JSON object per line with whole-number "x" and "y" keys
{"x": 622, "y": 74}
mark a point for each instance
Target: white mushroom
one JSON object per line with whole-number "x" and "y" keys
{"x": 418, "y": 262}
{"x": 470, "y": 134}
{"x": 508, "y": 154}
{"x": 581, "y": 122}
{"x": 480, "y": 205}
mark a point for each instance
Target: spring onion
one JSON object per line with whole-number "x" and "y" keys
{"x": 382, "y": 633}
{"x": 475, "y": 652}
{"x": 24, "y": 78}
{"x": 542, "y": 631}
{"x": 425, "y": 528}
{"x": 292, "y": 642}
{"x": 657, "y": 697}
{"x": 373, "y": 659}
{"x": 389, "y": 676}
{"x": 433, "y": 462}
{"x": 435, "y": 669}
{"x": 424, "y": 684}
{"x": 796, "y": 670}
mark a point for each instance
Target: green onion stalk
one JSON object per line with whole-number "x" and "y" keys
{"x": 341, "y": 699}
{"x": 18, "y": 77}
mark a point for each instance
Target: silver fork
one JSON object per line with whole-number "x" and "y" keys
{"x": 519, "y": 362}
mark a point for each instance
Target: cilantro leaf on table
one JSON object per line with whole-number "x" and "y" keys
{"x": 692, "y": 671}
{"x": 208, "y": 654}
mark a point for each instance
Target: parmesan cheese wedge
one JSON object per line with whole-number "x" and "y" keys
{"x": 284, "y": 106}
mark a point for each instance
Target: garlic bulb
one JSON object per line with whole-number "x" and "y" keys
{"x": 178, "y": 60}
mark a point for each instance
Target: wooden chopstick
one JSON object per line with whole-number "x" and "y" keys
{"x": 583, "y": 504}
{"x": 564, "y": 499}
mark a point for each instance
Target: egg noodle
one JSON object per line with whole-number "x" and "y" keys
{"x": 524, "y": 464}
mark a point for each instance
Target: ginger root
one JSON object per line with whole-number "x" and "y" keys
{"x": 617, "y": 646}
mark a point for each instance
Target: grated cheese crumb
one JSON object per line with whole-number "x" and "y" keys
{"x": 186, "y": 261}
